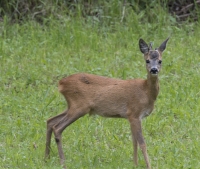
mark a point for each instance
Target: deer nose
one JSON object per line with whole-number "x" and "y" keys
{"x": 154, "y": 70}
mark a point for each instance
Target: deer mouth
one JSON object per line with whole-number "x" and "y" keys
{"x": 154, "y": 74}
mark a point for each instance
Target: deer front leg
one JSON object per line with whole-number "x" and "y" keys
{"x": 135, "y": 146}
{"x": 136, "y": 130}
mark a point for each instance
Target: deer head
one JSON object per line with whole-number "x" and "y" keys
{"x": 152, "y": 57}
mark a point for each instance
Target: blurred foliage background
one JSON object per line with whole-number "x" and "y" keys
{"x": 41, "y": 10}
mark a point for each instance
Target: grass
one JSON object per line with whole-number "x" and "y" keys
{"x": 34, "y": 57}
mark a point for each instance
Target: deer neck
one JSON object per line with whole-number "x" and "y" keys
{"x": 152, "y": 86}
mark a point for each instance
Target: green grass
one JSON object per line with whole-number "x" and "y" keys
{"x": 32, "y": 60}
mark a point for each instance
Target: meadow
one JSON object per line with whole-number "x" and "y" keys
{"x": 34, "y": 57}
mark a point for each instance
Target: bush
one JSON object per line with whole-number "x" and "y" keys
{"x": 96, "y": 10}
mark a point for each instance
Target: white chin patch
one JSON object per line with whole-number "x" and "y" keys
{"x": 154, "y": 74}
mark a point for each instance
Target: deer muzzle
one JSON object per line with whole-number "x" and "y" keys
{"x": 154, "y": 71}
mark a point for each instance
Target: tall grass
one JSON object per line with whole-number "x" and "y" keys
{"x": 33, "y": 57}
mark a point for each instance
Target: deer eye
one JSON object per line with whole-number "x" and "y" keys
{"x": 160, "y": 61}
{"x": 147, "y": 61}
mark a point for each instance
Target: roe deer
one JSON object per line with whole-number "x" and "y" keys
{"x": 130, "y": 99}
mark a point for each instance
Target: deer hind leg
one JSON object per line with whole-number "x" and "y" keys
{"x": 136, "y": 130}
{"x": 71, "y": 116}
{"x": 50, "y": 123}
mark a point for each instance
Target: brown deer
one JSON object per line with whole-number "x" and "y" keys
{"x": 130, "y": 99}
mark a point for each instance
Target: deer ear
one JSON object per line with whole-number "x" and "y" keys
{"x": 144, "y": 48}
{"x": 163, "y": 45}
